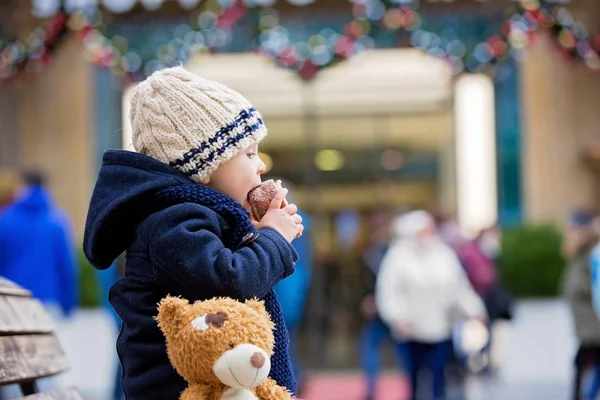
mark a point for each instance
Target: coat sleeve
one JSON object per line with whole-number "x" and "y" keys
{"x": 187, "y": 252}
{"x": 389, "y": 290}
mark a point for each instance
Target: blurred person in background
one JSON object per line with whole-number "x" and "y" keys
{"x": 480, "y": 269}
{"x": 498, "y": 299}
{"x": 448, "y": 228}
{"x": 420, "y": 290}
{"x": 292, "y": 291}
{"x": 580, "y": 238}
{"x": 490, "y": 242}
{"x": 36, "y": 247}
{"x": 449, "y": 231}
{"x": 374, "y": 332}
{"x": 479, "y": 257}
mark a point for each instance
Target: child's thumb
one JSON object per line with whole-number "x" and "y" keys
{"x": 278, "y": 199}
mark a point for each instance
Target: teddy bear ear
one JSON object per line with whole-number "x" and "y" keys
{"x": 170, "y": 311}
{"x": 257, "y": 305}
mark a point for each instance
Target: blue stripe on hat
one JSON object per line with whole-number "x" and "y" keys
{"x": 204, "y": 163}
{"x": 223, "y": 135}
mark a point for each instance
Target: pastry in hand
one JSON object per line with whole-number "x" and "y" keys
{"x": 260, "y": 198}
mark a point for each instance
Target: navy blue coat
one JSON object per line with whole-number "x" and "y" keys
{"x": 175, "y": 250}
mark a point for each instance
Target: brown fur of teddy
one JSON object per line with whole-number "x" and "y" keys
{"x": 193, "y": 352}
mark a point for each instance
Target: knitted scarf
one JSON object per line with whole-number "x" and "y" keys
{"x": 237, "y": 218}
{"x": 239, "y": 224}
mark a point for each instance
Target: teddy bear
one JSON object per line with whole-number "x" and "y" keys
{"x": 221, "y": 347}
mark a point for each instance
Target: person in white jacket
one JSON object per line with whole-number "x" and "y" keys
{"x": 421, "y": 290}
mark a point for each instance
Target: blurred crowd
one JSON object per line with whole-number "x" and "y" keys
{"x": 434, "y": 293}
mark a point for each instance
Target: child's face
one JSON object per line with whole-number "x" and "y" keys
{"x": 239, "y": 175}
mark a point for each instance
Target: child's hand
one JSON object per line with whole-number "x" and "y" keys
{"x": 284, "y": 220}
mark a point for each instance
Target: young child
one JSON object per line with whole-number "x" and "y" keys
{"x": 178, "y": 209}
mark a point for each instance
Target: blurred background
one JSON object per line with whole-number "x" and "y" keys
{"x": 481, "y": 112}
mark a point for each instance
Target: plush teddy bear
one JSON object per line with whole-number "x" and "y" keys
{"x": 221, "y": 347}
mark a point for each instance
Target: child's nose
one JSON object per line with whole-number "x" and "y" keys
{"x": 261, "y": 168}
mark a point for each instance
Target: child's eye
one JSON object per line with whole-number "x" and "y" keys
{"x": 250, "y": 155}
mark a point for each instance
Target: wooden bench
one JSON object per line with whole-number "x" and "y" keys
{"x": 28, "y": 348}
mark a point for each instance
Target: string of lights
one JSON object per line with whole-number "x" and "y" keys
{"x": 211, "y": 28}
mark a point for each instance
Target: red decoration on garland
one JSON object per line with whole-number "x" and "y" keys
{"x": 308, "y": 70}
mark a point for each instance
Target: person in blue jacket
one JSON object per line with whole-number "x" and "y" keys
{"x": 178, "y": 208}
{"x": 36, "y": 246}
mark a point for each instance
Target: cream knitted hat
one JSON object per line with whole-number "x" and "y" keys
{"x": 192, "y": 123}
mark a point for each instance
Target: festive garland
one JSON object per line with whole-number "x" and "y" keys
{"x": 329, "y": 47}
{"x": 213, "y": 29}
{"x": 319, "y": 51}
{"x": 33, "y": 53}
{"x": 571, "y": 38}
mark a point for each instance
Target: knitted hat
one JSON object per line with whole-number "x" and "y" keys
{"x": 192, "y": 123}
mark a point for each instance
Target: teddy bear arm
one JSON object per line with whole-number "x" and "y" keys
{"x": 201, "y": 392}
{"x": 270, "y": 390}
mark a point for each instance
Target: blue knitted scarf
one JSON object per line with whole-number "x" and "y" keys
{"x": 239, "y": 224}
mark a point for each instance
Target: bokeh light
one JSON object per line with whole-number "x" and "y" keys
{"x": 330, "y": 160}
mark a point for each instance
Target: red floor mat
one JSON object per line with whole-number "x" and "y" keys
{"x": 353, "y": 387}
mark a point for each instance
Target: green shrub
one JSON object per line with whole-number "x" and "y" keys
{"x": 88, "y": 282}
{"x": 531, "y": 263}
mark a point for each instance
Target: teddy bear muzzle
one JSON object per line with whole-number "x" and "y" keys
{"x": 243, "y": 367}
